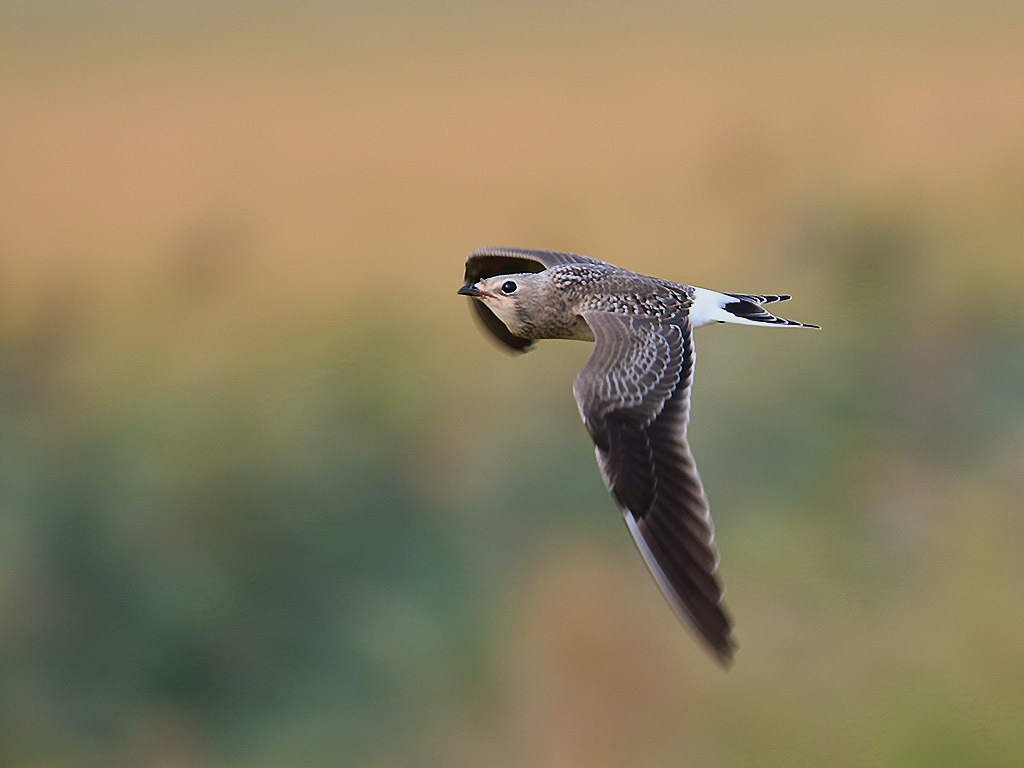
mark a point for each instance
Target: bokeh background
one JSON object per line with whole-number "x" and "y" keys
{"x": 269, "y": 498}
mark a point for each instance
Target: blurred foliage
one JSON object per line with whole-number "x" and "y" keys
{"x": 268, "y": 498}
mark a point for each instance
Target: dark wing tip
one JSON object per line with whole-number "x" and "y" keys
{"x": 689, "y": 585}
{"x": 724, "y": 650}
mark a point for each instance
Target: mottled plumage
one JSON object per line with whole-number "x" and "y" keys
{"x": 633, "y": 394}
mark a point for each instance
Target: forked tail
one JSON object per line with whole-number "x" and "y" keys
{"x": 714, "y": 307}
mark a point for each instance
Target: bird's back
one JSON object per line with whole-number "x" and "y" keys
{"x": 607, "y": 288}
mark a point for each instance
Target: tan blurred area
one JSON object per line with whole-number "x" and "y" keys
{"x": 269, "y": 498}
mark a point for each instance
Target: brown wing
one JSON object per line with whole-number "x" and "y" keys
{"x": 634, "y": 396}
{"x": 488, "y": 262}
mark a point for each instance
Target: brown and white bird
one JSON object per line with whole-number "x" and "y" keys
{"x": 633, "y": 394}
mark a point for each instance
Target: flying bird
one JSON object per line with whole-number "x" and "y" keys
{"x": 633, "y": 394}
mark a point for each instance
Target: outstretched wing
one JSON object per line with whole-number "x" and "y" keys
{"x": 488, "y": 262}
{"x": 634, "y": 396}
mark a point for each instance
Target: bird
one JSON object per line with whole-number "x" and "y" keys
{"x": 633, "y": 395}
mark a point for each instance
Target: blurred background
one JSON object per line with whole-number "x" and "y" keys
{"x": 268, "y": 497}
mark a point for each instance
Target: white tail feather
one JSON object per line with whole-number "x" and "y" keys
{"x": 714, "y": 307}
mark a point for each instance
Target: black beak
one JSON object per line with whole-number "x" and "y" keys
{"x": 470, "y": 289}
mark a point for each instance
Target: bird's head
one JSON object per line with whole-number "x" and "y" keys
{"x": 514, "y": 299}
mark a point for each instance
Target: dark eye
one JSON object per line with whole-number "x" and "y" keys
{"x": 508, "y": 287}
